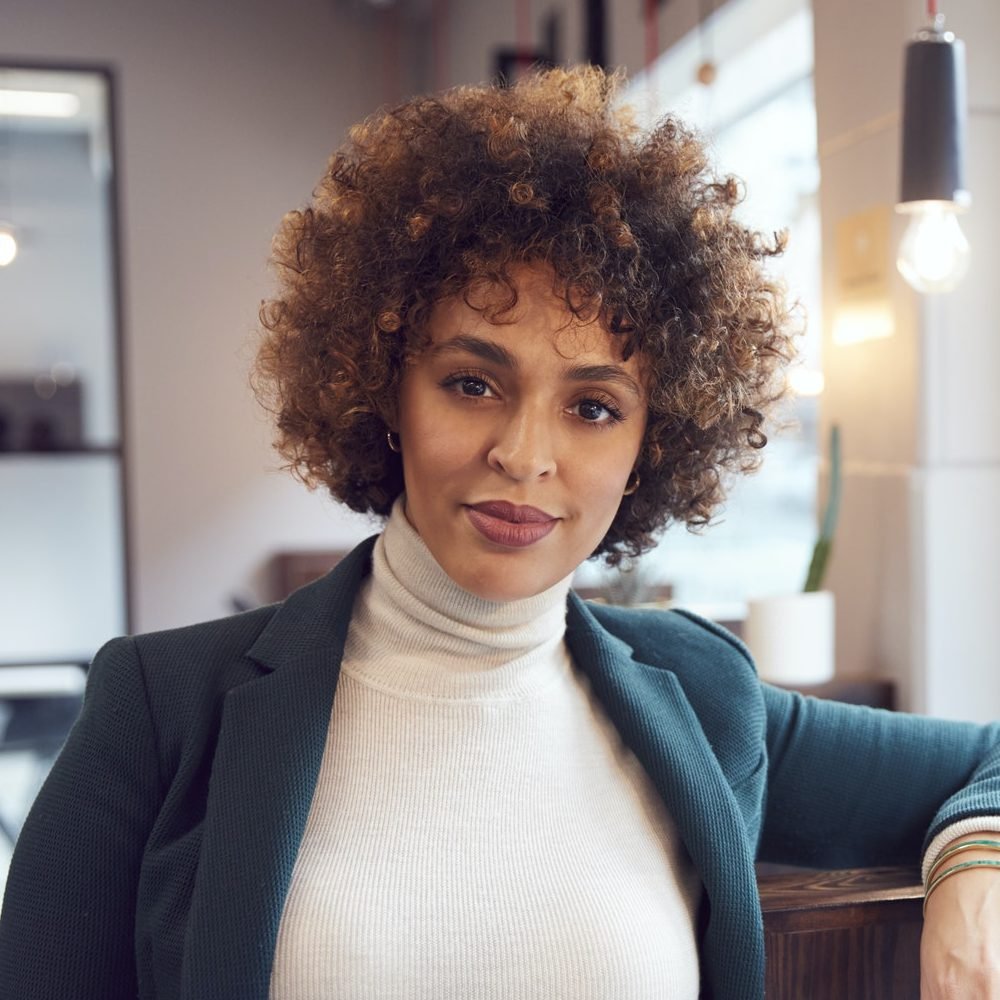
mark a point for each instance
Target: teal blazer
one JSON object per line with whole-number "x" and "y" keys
{"x": 156, "y": 859}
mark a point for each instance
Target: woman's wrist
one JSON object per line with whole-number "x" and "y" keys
{"x": 971, "y": 828}
{"x": 977, "y": 852}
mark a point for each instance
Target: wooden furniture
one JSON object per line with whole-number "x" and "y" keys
{"x": 853, "y": 690}
{"x": 842, "y": 935}
{"x": 287, "y": 571}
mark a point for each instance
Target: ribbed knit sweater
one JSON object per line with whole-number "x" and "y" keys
{"x": 478, "y": 830}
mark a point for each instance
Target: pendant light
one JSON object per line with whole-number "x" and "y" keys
{"x": 933, "y": 254}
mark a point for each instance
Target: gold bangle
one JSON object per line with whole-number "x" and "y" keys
{"x": 966, "y": 845}
{"x": 948, "y": 872}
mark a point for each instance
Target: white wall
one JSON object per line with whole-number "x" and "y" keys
{"x": 227, "y": 116}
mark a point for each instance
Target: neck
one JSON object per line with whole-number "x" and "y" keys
{"x": 416, "y": 622}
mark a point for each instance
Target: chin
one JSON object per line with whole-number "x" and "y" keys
{"x": 504, "y": 587}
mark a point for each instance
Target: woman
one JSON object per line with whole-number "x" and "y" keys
{"x": 528, "y": 335}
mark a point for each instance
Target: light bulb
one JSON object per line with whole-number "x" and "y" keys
{"x": 933, "y": 253}
{"x": 8, "y": 247}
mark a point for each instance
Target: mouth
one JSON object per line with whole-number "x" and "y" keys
{"x": 503, "y": 510}
{"x": 510, "y": 525}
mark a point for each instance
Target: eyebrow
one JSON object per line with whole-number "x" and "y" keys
{"x": 605, "y": 373}
{"x": 499, "y": 355}
{"x": 485, "y": 349}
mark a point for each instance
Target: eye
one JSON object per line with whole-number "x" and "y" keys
{"x": 596, "y": 411}
{"x": 469, "y": 385}
{"x": 472, "y": 387}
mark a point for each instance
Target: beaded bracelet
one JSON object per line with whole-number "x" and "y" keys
{"x": 966, "y": 845}
{"x": 951, "y": 871}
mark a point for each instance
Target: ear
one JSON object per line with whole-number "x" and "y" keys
{"x": 388, "y": 412}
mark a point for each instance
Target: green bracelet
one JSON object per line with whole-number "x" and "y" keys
{"x": 952, "y": 870}
{"x": 966, "y": 845}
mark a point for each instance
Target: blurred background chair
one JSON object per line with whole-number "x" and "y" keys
{"x": 38, "y": 706}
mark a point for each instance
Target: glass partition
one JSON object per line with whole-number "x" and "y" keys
{"x": 757, "y": 111}
{"x": 63, "y": 582}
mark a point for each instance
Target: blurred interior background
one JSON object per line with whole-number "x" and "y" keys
{"x": 147, "y": 154}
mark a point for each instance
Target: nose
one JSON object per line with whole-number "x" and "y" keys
{"x": 523, "y": 447}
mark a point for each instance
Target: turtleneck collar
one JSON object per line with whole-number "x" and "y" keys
{"x": 415, "y": 631}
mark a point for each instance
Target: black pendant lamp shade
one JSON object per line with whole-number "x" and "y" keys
{"x": 934, "y": 119}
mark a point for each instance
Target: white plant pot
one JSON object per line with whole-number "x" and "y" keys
{"x": 791, "y": 637}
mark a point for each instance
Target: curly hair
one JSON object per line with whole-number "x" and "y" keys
{"x": 430, "y": 197}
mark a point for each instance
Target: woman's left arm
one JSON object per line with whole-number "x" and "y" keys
{"x": 855, "y": 787}
{"x": 960, "y": 945}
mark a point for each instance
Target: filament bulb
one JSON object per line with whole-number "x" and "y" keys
{"x": 933, "y": 253}
{"x": 8, "y": 246}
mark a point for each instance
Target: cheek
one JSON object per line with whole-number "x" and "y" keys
{"x": 598, "y": 484}
{"x": 434, "y": 448}
{"x": 608, "y": 471}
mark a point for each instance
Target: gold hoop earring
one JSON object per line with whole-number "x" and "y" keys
{"x": 631, "y": 487}
{"x": 393, "y": 441}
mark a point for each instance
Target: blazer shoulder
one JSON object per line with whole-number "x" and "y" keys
{"x": 706, "y": 658}
{"x": 673, "y": 637}
{"x": 183, "y": 674}
{"x": 714, "y": 671}
{"x": 215, "y": 639}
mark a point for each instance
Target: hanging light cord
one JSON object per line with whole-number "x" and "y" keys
{"x": 706, "y": 12}
{"x": 932, "y": 9}
{"x": 522, "y": 26}
{"x": 392, "y": 90}
{"x": 652, "y": 33}
{"x": 6, "y": 171}
{"x": 439, "y": 43}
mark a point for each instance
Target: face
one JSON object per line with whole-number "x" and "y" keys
{"x": 517, "y": 440}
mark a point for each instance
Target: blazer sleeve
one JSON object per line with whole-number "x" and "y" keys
{"x": 850, "y": 786}
{"x": 67, "y": 928}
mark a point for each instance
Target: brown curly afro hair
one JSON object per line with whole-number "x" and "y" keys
{"x": 428, "y": 197}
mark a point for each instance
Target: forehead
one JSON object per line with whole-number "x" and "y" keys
{"x": 528, "y": 312}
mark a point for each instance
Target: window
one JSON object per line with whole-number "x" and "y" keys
{"x": 759, "y": 119}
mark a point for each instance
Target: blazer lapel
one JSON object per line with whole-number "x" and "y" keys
{"x": 264, "y": 771}
{"x": 657, "y": 722}
{"x": 267, "y": 759}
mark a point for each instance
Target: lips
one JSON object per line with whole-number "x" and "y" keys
{"x": 510, "y": 525}
{"x": 503, "y": 510}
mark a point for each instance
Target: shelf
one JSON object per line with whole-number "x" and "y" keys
{"x": 113, "y": 450}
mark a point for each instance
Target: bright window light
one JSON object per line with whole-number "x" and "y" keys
{"x": 39, "y": 103}
{"x": 806, "y": 381}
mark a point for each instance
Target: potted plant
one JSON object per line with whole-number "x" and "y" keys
{"x": 792, "y": 636}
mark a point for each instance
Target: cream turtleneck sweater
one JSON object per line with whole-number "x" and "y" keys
{"x": 478, "y": 829}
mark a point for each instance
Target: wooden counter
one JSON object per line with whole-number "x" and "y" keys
{"x": 842, "y": 935}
